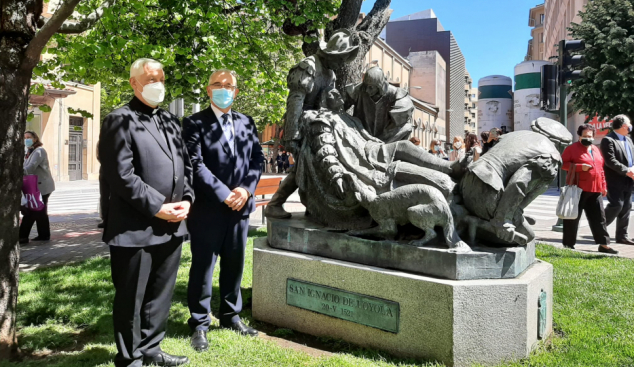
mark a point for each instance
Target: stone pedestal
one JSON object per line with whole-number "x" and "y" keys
{"x": 300, "y": 234}
{"x": 456, "y": 322}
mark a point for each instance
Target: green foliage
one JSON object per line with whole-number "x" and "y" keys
{"x": 608, "y": 30}
{"x": 67, "y": 311}
{"x": 191, "y": 38}
{"x": 45, "y": 108}
{"x": 79, "y": 111}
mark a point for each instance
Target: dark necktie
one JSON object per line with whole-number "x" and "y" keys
{"x": 228, "y": 131}
{"x": 628, "y": 152}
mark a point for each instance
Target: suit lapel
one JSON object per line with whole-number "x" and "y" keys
{"x": 217, "y": 134}
{"x": 150, "y": 125}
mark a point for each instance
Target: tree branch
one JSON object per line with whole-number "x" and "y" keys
{"x": 347, "y": 16}
{"x": 57, "y": 24}
{"x": 81, "y": 26}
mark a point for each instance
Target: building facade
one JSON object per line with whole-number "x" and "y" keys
{"x": 470, "y": 97}
{"x": 70, "y": 140}
{"x": 429, "y": 84}
{"x": 536, "y": 20}
{"x": 558, "y": 14}
{"x": 423, "y": 32}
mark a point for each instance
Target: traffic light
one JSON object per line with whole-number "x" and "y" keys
{"x": 568, "y": 62}
{"x": 549, "y": 91}
{"x": 555, "y": 78}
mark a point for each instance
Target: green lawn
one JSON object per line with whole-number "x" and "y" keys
{"x": 65, "y": 320}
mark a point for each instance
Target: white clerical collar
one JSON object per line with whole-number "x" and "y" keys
{"x": 219, "y": 113}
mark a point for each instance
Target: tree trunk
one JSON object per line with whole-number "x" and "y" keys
{"x": 14, "y": 96}
{"x": 365, "y": 33}
{"x": 17, "y": 29}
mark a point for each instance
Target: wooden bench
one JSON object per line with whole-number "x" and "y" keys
{"x": 266, "y": 186}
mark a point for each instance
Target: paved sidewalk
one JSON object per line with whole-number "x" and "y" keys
{"x": 75, "y": 236}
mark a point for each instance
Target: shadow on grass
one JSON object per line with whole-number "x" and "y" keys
{"x": 65, "y": 316}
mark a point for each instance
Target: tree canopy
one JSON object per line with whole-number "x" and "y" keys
{"x": 193, "y": 38}
{"x": 608, "y": 31}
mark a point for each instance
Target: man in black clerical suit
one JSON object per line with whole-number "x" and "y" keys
{"x": 148, "y": 172}
{"x": 618, "y": 154}
{"x": 227, "y": 158}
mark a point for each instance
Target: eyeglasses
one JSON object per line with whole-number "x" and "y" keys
{"x": 225, "y": 86}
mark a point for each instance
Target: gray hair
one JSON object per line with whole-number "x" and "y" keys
{"x": 138, "y": 67}
{"x": 233, "y": 74}
{"x": 619, "y": 120}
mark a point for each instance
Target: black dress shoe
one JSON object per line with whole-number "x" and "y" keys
{"x": 241, "y": 328}
{"x": 608, "y": 250}
{"x": 101, "y": 224}
{"x": 625, "y": 241}
{"x": 23, "y": 241}
{"x": 38, "y": 238}
{"x": 199, "y": 341}
{"x": 164, "y": 359}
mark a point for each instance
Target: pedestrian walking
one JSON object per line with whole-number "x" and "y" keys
{"x": 148, "y": 172}
{"x": 36, "y": 163}
{"x": 458, "y": 149}
{"x": 617, "y": 149}
{"x": 271, "y": 164}
{"x": 473, "y": 147}
{"x": 587, "y": 162}
{"x": 226, "y": 173}
{"x": 280, "y": 163}
{"x": 285, "y": 161}
{"x": 415, "y": 141}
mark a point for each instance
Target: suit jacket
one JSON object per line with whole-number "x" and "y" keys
{"x": 616, "y": 161}
{"x": 37, "y": 164}
{"x": 143, "y": 171}
{"x": 216, "y": 170}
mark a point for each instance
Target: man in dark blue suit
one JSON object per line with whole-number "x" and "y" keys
{"x": 226, "y": 157}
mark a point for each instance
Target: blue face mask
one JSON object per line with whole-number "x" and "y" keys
{"x": 28, "y": 142}
{"x": 222, "y": 98}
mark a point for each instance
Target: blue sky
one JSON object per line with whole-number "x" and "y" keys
{"x": 492, "y": 34}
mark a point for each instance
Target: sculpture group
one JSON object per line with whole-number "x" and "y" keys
{"x": 358, "y": 172}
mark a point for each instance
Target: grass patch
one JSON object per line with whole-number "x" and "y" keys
{"x": 65, "y": 319}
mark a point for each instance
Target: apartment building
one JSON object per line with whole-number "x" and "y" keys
{"x": 470, "y": 105}
{"x": 423, "y": 31}
{"x": 536, "y": 20}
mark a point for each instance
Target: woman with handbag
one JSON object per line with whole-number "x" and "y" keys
{"x": 586, "y": 162}
{"x": 36, "y": 163}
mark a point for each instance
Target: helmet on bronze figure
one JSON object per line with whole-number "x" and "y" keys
{"x": 375, "y": 82}
{"x": 339, "y": 48}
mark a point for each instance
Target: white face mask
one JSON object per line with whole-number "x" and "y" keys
{"x": 153, "y": 93}
{"x": 458, "y": 145}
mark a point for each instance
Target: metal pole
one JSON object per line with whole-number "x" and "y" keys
{"x": 563, "y": 118}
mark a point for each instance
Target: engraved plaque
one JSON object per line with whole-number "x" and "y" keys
{"x": 366, "y": 310}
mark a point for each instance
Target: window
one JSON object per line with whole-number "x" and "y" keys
{"x": 541, "y": 37}
{"x": 541, "y": 19}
